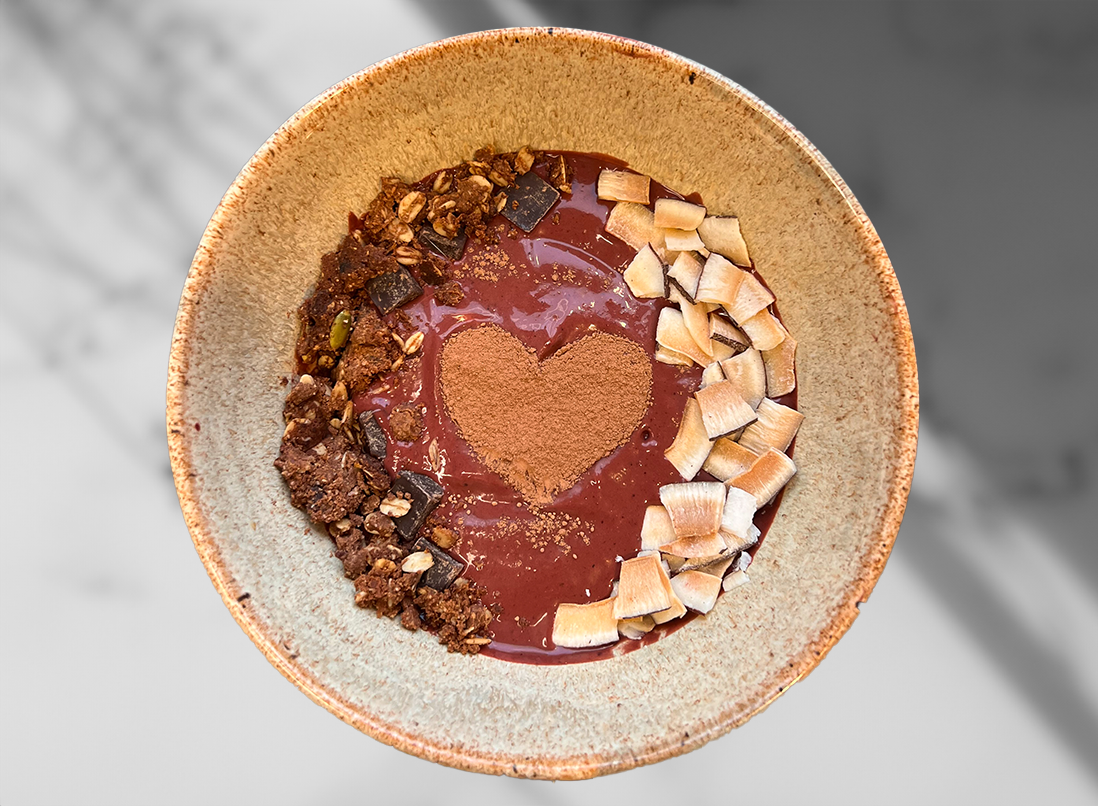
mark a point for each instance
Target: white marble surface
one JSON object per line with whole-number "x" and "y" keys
{"x": 964, "y": 130}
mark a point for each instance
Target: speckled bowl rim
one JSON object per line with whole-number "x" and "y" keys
{"x": 573, "y": 768}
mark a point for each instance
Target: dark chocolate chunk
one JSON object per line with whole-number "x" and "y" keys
{"x": 393, "y": 289}
{"x": 451, "y": 248}
{"x": 529, "y": 200}
{"x": 376, "y": 442}
{"x": 446, "y": 569}
{"x": 425, "y": 492}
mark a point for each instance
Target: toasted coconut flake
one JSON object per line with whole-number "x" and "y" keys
{"x": 696, "y": 319}
{"x": 721, "y": 351}
{"x": 685, "y": 272}
{"x": 734, "y": 580}
{"x": 720, "y": 329}
{"x": 678, "y": 214}
{"x": 751, "y": 297}
{"x": 697, "y": 546}
{"x": 721, "y": 234}
{"x": 672, "y": 334}
{"x": 723, "y": 409}
{"x": 691, "y": 446}
{"x": 631, "y": 223}
{"x": 775, "y": 428}
{"x": 636, "y": 628}
{"x": 728, "y": 459}
{"x": 747, "y": 375}
{"x": 781, "y": 377}
{"x": 644, "y": 275}
{"x": 764, "y": 330}
{"x": 695, "y": 508}
{"x": 736, "y": 521}
{"x": 715, "y": 565}
{"x": 582, "y": 625}
{"x": 676, "y": 610}
{"x": 696, "y": 589}
{"x": 682, "y": 240}
{"x": 767, "y": 476}
{"x": 656, "y": 530}
{"x": 641, "y": 589}
{"x": 712, "y": 374}
{"x": 720, "y": 281}
{"x": 623, "y": 186}
{"x": 665, "y": 356}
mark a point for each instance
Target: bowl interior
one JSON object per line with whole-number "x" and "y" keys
{"x": 691, "y": 130}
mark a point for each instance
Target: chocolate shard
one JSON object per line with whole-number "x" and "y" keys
{"x": 446, "y": 569}
{"x": 451, "y": 248}
{"x": 377, "y": 444}
{"x": 425, "y": 492}
{"x": 529, "y": 200}
{"x": 391, "y": 290}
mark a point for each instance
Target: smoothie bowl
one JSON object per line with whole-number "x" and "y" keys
{"x": 542, "y": 403}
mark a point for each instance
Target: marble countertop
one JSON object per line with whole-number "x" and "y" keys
{"x": 964, "y": 130}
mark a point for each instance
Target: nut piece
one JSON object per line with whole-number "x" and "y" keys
{"x": 407, "y": 255}
{"x": 419, "y": 561}
{"x": 395, "y": 507}
{"x": 623, "y": 186}
{"x": 582, "y": 625}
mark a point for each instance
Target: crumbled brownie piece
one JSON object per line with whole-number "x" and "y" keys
{"x": 433, "y": 270}
{"x": 317, "y": 315}
{"x": 406, "y": 422}
{"x": 370, "y": 351}
{"x": 358, "y": 262}
{"x": 326, "y": 481}
{"x": 384, "y": 587}
{"x": 410, "y": 618}
{"x": 307, "y": 412}
{"x": 449, "y": 293}
{"x": 374, "y": 475}
{"x": 457, "y": 615}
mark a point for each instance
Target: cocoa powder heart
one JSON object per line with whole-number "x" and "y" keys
{"x": 540, "y": 425}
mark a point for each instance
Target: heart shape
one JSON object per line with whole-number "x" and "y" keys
{"x": 540, "y": 425}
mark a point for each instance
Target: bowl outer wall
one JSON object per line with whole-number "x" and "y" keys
{"x": 690, "y": 129}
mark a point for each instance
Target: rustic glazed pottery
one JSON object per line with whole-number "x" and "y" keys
{"x": 690, "y": 129}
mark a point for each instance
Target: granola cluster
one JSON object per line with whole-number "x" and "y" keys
{"x": 353, "y": 333}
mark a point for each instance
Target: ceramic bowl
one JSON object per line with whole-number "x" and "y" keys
{"x": 687, "y": 127}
